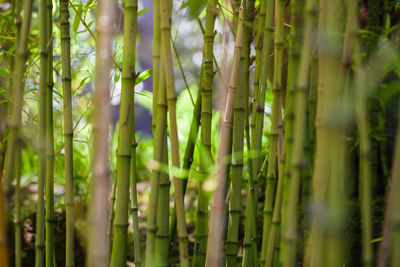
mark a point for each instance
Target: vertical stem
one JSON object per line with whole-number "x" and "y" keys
{"x": 394, "y": 198}
{"x": 215, "y": 236}
{"x": 68, "y": 132}
{"x": 165, "y": 14}
{"x": 17, "y": 221}
{"x": 235, "y": 200}
{"x": 97, "y": 247}
{"x": 111, "y": 215}
{"x": 201, "y": 227}
{"x": 157, "y": 131}
{"x": 43, "y": 51}
{"x": 351, "y": 44}
{"x": 161, "y": 224}
{"x": 120, "y": 241}
{"x": 276, "y": 106}
{"x": 298, "y": 159}
{"x": 134, "y": 204}
{"x": 49, "y": 179}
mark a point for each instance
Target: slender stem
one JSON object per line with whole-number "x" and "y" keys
{"x": 201, "y": 226}
{"x": 68, "y": 132}
{"x": 97, "y": 247}
{"x": 215, "y": 235}
{"x": 39, "y": 241}
{"x": 165, "y": 14}
{"x": 126, "y": 119}
{"x": 158, "y": 132}
{"x": 161, "y": 230}
{"x": 300, "y": 123}
{"x": 134, "y": 204}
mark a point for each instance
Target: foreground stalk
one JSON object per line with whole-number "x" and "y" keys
{"x": 97, "y": 244}
{"x": 165, "y": 14}
{"x": 68, "y": 132}
{"x": 201, "y": 227}
{"x": 300, "y": 126}
{"x": 43, "y": 82}
{"x": 119, "y": 247}
{"x": 157, "y": 133}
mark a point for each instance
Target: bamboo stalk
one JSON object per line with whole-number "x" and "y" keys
{"x": 157, "y": 133}
{"x": 40, "y": 216}
{"x": 189, "y": 150}
{"x": 161, "y": 224}
{"x": 14, "y": 125}
{"x": 215, "y": 235}
{"x": 119, "y": 248}
{"x": 68, "y": 132}
{"x": 276, "y": 107}
{"x": 111, "y": 215}
{"x": 392, "y": 200}
{"x": 18, "y": 221}
{"x": 97, "y": 248}
{"x": 300, "y": 123}
{"x": 165, "y": 14}
{"x": 3, "y": 233}
{"x": 201, "y": 225}
{"x": 49, "y": 179}
{"x": 235, "y": 200}
{"x": 351, "y": 45}
{"x": 161, "y": 247}
{"x": 134, "y": 205}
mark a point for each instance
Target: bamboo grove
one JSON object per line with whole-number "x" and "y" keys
{"x": 291, "y": 156}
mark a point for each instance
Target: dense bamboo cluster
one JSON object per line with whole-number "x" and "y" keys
{"x": 296, "y": 163}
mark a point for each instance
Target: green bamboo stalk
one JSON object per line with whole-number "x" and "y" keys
{"x": 8, "y": 173}
{"x": 158, "y": 132}
{"x": 49, "y": 135}
{"x": 97, "y": 254}
{"x": 351, "y": 45}
{"x": 161, "y": 223}
{"x": 259, "y": 95}
{"x": 276, "y": 107}
{"x": 40, "y": 216}
{"x": 394, "y": 198}
{"x": 111, "y": 215}
{"x": 201, "y": 225}
{"x": 321, "y": 163}
{"x": 337, "y": 100}
{"x": 3, "y": 233}
{"x": 68, "y": 132}
{"x": 14, "y": 125}
{"x": 119, "y": 247}
{"x": 300, "y": 123}
{"x": 161, "y": 247}
{"x": 215, "y": 236}
{"x": 134, "y": 205}
{"x": 17, "y": 221}
{"x": 235, "y": 200}
{"x": 329, "y": 171}
{"x": 161, "y": 243}
{"x": 262, "y": 45}
{"x": 189, "y": 150}
{"x": 284, "y": 153}
{"x": 165, "y": 14}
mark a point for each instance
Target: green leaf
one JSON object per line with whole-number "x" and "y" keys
{"x": 77, "y": 20}
{"x": 117, "y": 75}
{"x": 195, "y": 7}
{"x": 143, "y": 76}
{"x": 141, "y": 12}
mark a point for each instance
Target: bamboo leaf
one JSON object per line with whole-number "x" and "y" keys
{"x": 141, "y": 12}
{"x": 143, "y": 76}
